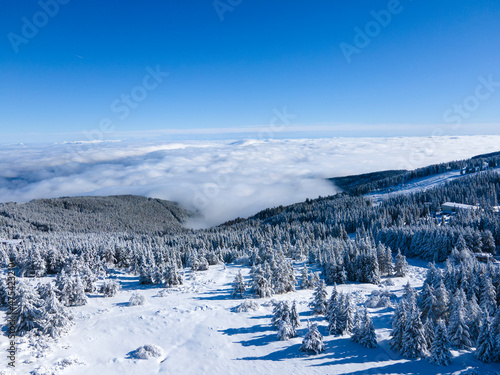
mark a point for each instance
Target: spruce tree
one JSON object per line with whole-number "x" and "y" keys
{"x": 486, "y": 345}
{"x": 459, "y": 330}
{"x": 319, "y": 302}
{"x": 239, "y": 286}
{"x": 401, "y": 266}
{"x": 313, "y": 340}
{"x": 440, "y": 350}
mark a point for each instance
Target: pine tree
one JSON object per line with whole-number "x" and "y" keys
{"x": 28, "y": 310}
{"x": 294, "y": 316}
{"x": 172, "y": 276}
{"x": 319, "y": 303}
{"x": 364, "y": 332}
{"x": 109, "y": 288}
{"x": 399, "y": 319}
{"x": 313, "y": 340}
{"x": 239, "y": 286}
{"x": 57, "y": 318}
{"x": 389, "y": 265}
{"x": 440, "y": 350}
{"x": 306, "y": 279}
{"x": 458, "y": 328}
{"x": 429, "y": 332}
{"x": 281, "y": 311}
{"x": 488, "y": 295}
{"x": 428, "y": 301}
{"x": 486, "y": 345}
{"x": 442, "y": 301}
{"x": 70, "y": 290}
{"x": 285, "y": 330}
{"x": 401, "y": 266}
{"x": 414, "y": 344}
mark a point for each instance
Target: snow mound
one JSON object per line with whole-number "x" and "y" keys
{"x": 246, "y": 306}
{"x": 136, "y": 299}
{"x": 146, "y": 352}
{"x": 380, "y": 298}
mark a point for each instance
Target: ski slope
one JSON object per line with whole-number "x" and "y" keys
{"x": 416, "y": 185}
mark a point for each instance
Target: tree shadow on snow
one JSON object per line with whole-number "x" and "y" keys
{"x": 280, "y": 355}
{"x": 246, "y": 330}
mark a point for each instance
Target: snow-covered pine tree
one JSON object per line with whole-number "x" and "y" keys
{"x": 260, "y": 283}
{"x": 486, "y": 345}
{"x": 487, "y": 301}
{"x": 429, "y": 331}
{"x": 364, "y": 332}
{"x": 389, "y": 265}
{"x": 57, "y": 318}
{"x": 414, "y": 344}
{"x": 313, "y": 340}
{"x": 281, "y": 311}
{"x": 28, "y": 309}
{"x": 346, "y": 315}
{"x": 239, "y": 286}
{"x": 285, "y": 330}
{"x": 294, "y": 316}
{"x": 442, "y": 302}
{"x": 440, "y": 350}
{"x": 458, "y": 328}
{"x": 401, "y": 266}
{"x": 305, "y": 278}
{"x": 70, "y": 290}
{"x": 319, "y": 302}
{"x": 109, "y": 288}
{"x": 428, "y": 302}
{"x": 172, "y": 276}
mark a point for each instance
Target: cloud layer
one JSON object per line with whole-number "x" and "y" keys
{"x": 221, "y": 179}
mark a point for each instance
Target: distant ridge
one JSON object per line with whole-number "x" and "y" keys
{"x": 118, "y": 213}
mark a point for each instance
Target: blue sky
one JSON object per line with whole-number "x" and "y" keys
{"x": 231, "y": 66}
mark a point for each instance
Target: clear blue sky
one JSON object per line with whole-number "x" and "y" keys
{"x": 233, "y": 72}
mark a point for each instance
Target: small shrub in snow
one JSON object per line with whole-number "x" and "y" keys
{"x": 109, "y": 288}
{"x": 147, "y": 352}
{"x": 136, "y": 299}
{"x": 247, "y": 306}
{"x": 379, "y": 298}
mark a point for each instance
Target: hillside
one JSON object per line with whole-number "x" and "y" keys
{"x": 122, "y": 213}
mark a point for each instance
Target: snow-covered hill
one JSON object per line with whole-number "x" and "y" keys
{"x": 199, "y": 332}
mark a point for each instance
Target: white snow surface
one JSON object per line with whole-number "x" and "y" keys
{"x": 199, "y": 332}
{"x": 221, "y": 179}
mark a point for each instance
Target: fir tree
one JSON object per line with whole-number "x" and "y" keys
{"x": 28, "y": 310}
{"x": 239, "y": 286}
{"x": 319, "y": 302}
{"x": 172, "y": 276}
{"x": 486, "y": 345}
{"x": 294, "y": 316}
{"x": 440, "y": 350}
{"x": 313, "y": 340}
{"x": 364, "y": 332}
{"x": 57, "y": 319}
{"x": 458, "y": 328}
{"x": 401, "y": 266}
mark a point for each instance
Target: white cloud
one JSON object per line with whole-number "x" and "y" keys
{"x": 223, "y": 179}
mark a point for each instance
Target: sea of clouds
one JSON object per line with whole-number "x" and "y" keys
{"x": 221, "y": 179}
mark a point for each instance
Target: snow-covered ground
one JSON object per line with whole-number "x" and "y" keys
{"x": 199, "y": 332}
